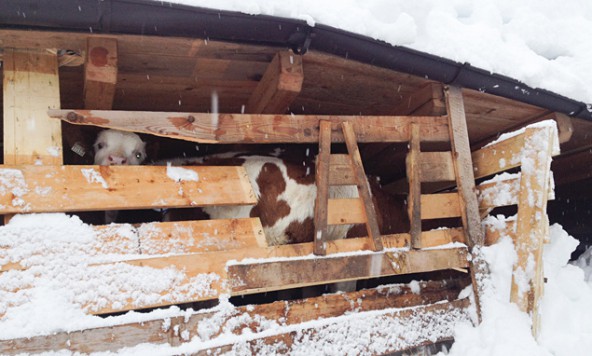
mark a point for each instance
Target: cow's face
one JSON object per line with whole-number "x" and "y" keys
{"x": 114, "y": 147}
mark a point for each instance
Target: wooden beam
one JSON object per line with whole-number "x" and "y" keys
{"x": 85, "y": 188}
{"x": 246, "y": 128}
{"x": 428, "y": 100}
{"x": 436, "y": 167}
{"x": 340, "y": 170}
{"x": 446, "y": 315}
{"x": 370, "y": 218}
{"x": 413, "y": 176}
{"x": 31, "y": 86}
{"x": 532, "y": 226}
{"x": 100, "y": 73}
{"x": 280, "y": 85}
{"x": 465, "y": 180}
{"x": 322, "y": 184}
{"x": 262, "y": 276}
{"x": 241, "y": 320}
{"x": 170, "y": 237}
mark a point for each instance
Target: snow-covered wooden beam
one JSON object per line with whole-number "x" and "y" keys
{"x": 532, "y": 225}
{"x": 245, "y": 271}
{"x": 245, "y": 319}
{"x": 100, "y": 73}
{"x": 31, "y": 86}
{"x": 160, "y": 238}
{"x": 255, "y": 128}
{"x": 29, "y": 188}
{"x": 280, "y": 85}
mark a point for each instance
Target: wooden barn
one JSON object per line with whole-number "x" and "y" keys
{"x": 198, "y": 82}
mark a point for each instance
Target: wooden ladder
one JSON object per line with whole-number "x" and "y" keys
{"x": 327, "y": 167}
{"x": 454, "y": 165}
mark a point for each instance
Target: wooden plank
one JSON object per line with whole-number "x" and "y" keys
{"x": 465, "y": 179}
{"x": 113, "y": 338}
{"x": 179, "y": 237}
{"x": 255, "y": 128}
{"x": 30, "y": 87}
{"x": 27, "y": 189}
{"x": 414, "y": 205}
{"x": 213, "y": 267}
{"x": 322, "y": 184}
{"x": 280, "y": 85}
{"x": 440, "y": 206}
{"x": 436, "y": 167}
{"x": 428, "y": 100}
{"x": 340, "y": 170}
{"x": 446, "y": 315}
{"x": 532, "y": 222}
{"x": 262, "y": 276}
{"x": 345, "y": 211}
{"x": 498, "y": 157}
{"x": 100, "y": 73}
{"x": 363, "y": 186}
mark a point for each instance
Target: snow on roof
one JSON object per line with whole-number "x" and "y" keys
{"x": 543, "y": 43}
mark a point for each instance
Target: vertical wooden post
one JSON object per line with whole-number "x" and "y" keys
{"x": 532, "y": 222}
{"x": 465, "y": 180}
{"x": 100, "y": 73}
{"x": 363, "y": 186}
{"x": 31, "y": 87}
{"x": 413, "y": 176}
{"x": 322, "y": 182}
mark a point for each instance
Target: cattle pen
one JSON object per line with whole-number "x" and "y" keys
{"x": 434, "y": 142}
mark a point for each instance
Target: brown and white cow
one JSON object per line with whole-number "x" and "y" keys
{"x": 285, "y": 190}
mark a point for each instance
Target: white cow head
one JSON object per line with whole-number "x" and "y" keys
{"x": 114, "y": 147}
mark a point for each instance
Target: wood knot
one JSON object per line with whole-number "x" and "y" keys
{"x": 190, "y": 119}
{"x": 74, "y": 117}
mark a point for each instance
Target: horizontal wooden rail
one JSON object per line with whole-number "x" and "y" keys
{"x": 242, "y": 319}
{"x": 28, "y": 189}
{"x": 179, "y": 237}
{"x": 257, "y": 128}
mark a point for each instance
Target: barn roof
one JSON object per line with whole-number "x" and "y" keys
{"x": 153, "y": 18}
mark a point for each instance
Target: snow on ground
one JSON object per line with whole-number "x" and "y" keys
{"x": 566, "y": 307}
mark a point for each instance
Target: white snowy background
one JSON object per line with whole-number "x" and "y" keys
{"x": 545, "y": 43}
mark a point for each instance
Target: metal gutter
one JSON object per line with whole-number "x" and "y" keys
{"x": 144, "y": 17}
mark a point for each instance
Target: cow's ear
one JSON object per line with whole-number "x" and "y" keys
{"x": 152, "y": 149}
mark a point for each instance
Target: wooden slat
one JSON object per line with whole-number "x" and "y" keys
{"x": 340, "y": 170}
{"x": 532, "y": 226}
{"x": 84, "y": 188}
{"x": 345, "y": 211}
{"x": 498, "y": 157}
{"x": 436, "y": 167}
{"x": 303, "y": 272}
{"x": 100, "y": 73}
{"x": 285, "y": 257}
{"x": 247, "y": 128}
{"x": 465, "y": 179}
{"x": 440, "y": 206}
{"x": 280, "y": 85}
{"x": 413, "y": 176}
{"x": 180, "y": 237}
{"x": 322, "y": 184}
{"x": 30, "y": 87}
{"x": 446, "y": 315}
{"x": 370, "y": 218}
{"x": 113, "y": 338}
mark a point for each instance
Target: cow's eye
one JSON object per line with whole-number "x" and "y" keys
{"x": 138, "y": 155}
{"x": 100, "y": 145}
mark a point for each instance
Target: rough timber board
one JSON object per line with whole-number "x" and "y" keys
{"x": 241, "y": 320}
{"x": 255, "y": 128}
{"x": 301, "y": 272}
{"x": 26, "y": 189}
{"x": 30, "y": 87}
{"x": 212, "y": 268}
{"x": 100, "y": 73}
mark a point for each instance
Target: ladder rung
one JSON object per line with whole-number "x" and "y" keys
{"x": 345, "y": 211}
{"x": 340, "y": 170}
{"x": 440, "y": 206}
{"x": 436, "y": 167}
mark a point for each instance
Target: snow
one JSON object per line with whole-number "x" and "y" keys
{"x": 179, "y": 174}
{"x": 544, "y": 44}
